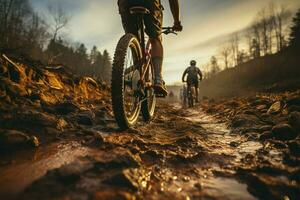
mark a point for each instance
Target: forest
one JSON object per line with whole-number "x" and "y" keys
{"x": 271, "y": 61}
{"x": 23, "y": 31}
{"x": 268, "y": 33}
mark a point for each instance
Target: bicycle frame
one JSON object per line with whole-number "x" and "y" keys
{"x": 146, "y": 52}
{"x": 146, "y": 55}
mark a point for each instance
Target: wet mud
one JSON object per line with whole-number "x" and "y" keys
{"x": 182, "y": 154}
{"x": 59, "y": 141}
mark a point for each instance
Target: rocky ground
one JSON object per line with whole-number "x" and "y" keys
{"x": 58, "y": 140}
{"x": 274, "y": 121}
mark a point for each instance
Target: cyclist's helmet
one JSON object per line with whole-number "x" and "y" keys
{"x": 193, "y": 63}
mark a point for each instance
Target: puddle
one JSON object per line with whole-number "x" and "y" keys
{"x": 28, "y": 166}
{"x": 219, "y": 141}
{"x": 210, "y": 123}
{"x": 225, "y": 188}
{"x": 219, "y": 136}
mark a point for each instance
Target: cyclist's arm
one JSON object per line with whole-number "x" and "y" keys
{"x": 174, "y": 5}
{"x": 200, "y": 74}
{"x": 184, "y": 74}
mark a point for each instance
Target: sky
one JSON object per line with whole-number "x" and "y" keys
{"x": 206, "y": 23}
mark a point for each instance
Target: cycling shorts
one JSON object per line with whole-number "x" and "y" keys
{"x": 153, "y": 21}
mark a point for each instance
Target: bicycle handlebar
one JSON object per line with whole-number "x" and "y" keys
{"x": 168, "y": 30}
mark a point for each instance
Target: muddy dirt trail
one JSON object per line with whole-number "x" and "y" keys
{"x": 59, "y": 140}
{"x": 182, "y": 154}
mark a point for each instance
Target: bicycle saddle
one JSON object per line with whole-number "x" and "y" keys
{"x": 139, "y": 10}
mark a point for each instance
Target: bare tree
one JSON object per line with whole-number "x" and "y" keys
{"x": 256, "y": 41}
{"x": 5, "y": 8}
{"x": 215, "y": 68}
{"x": 234, "y": 44}
{"x": 225, "y": 52}
{"x": 278, "y": 15}
{"x": 264, "y": 22}
{"x": 242, "y": 57}
{"x": 59, "y": 18}
{"x": 255, "y": 49}
{"x": 249, "y": 37}
{"x": 14, "y": 16}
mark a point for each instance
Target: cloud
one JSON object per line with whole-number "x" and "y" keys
{"x": 206, "y": 25}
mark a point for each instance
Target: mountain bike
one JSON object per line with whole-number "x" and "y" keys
{"x": 191, "y": 95}
{"x": 132, "y": 80}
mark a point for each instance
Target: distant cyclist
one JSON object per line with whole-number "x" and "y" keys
{"x": 194, "y": 74}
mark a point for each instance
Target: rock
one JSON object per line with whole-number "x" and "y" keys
{"x": 198, "y": 186}
{"x": 294, "y": 108}
{"x": 261, "y": 107}
{"x": 279, "y": 144}
{"x": 265, "y": 135}
{"x": 265, "y": 115}
{"x": 34, "y": 141}
{"x": 264, "y": 111}
{"x": 296, "y": 175}
{"x": 151, "y": 157}
{"x": 244, "y": 120}
{"x": 72, "y": 172}
{"x": 52, "y": 131}
{"x": 95, "y": 141}
{"x": 285, "y": 111}
{"x": 66, "y": 108}
{"x": 48, "y": 98}
{"x": 294, "y": 120}
{"x": 234, "y": 144}
{"x": 275, "y": 108}
{"x": 249, "y": 112}
{"x": 260, "y": 102}
{"x": 294, "y": 148}
{"x": 3, "y": 70}
{"x": 61, "y": 124}
{"x": 86, "y": 118}
{"x": 16, "y": 139}
{"x": 264, "y": 128}
{"x": 186, "y": 141}
{"x": 295, "y": 100}
{"x": 283, "y": 132}
{"x": 36, "y": 118}
{"x": 122, "y": 179}
{"x": 16, "y": 90}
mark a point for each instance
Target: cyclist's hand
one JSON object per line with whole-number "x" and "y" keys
{"x": 177, "y": 26}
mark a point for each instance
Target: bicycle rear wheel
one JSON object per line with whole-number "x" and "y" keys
{"x": 191, "y": 98}
{"x": 124, "y": 83}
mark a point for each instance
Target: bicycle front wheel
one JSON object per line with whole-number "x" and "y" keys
{"x": 149, "y": 103}
{"x": 125, "y": 79}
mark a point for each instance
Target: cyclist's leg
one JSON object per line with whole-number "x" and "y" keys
{"x": 189, "y": 88}
{"x": 153, "y": 23}
{"x": 129, "y": 22}
{"x": 196, "y": 83}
